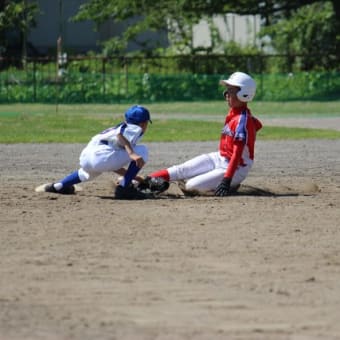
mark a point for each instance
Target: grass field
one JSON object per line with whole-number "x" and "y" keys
{"x": 42, "y": 123}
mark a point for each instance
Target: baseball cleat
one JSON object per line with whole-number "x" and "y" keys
{"x": 129, "y": 193}
{"x": 64, "y": 191}
{"x": 154, "y": 184}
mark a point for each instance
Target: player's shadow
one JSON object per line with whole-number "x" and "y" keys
{"x": 244, "y": 190}
{"x": 248, "y": 190}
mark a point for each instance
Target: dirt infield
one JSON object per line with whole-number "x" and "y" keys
{"x": 264, "y": 264}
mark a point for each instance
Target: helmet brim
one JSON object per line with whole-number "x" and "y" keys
{"x": 227, "y": 82}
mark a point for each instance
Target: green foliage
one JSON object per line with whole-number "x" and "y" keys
{"x": 301, "y": 85}
{"x": 119, "y": 81}
{"x": 309, "y": 31}
{"x": 174, "y": 19}
{"x": 145, "y": 16}
{"x": 16, "y": 14}
{"x": 295, "y": 27}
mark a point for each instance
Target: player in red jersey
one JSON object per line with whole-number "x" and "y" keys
{"x": 222, "y": 172}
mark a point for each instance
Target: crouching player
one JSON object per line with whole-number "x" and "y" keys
{"x": 111, "y": 151}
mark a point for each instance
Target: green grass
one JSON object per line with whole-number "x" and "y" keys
{"x": 37, "y": 123}
{"x": 179, "y": 130}
{"x": 291, "y": 108}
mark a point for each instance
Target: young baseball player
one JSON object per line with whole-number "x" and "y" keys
{"x": 222, "y": 172}
{"x": 112, "y": 150}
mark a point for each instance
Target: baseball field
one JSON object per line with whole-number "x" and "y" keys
{"x": 262, "y": 264}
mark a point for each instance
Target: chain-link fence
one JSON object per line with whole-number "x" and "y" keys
{"x": 161, "y": 79}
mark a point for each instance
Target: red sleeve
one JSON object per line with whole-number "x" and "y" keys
{"x": 257, "y": 124}
{"x": 235, "y": 159}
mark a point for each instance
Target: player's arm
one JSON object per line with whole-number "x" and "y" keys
{"x": 223, "y": 188}
{"x": 127, "y": 146}
{"x": 235, "y": 159}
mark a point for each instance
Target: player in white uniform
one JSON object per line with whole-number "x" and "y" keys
{"x": 112, "y": 150}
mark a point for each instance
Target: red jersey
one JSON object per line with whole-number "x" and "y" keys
{"x": 238, "y": 137}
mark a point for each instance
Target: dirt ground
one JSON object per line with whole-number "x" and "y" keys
{"x": 263, "y": 264}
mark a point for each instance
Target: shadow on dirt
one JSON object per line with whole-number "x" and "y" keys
{"x": 244, "y": 190}
{"x": 247, "y": 190}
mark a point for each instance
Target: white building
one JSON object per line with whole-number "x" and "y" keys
{"x": 231, "y": 27}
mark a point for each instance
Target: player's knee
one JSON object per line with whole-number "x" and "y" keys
{"x": 83, "y": 175}
{"x": 191, "y": 185}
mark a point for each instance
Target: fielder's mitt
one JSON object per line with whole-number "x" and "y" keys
{"x": 154, "y": 184}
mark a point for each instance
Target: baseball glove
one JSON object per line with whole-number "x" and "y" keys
{"x": 154, "y": 184}
{"x": 223, "y": 188}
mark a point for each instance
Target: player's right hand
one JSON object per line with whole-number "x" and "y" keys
{"x": 223, "y": 188}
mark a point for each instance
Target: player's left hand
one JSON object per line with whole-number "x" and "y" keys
{"x": 223, "y": 188}
{"x": 138, "y": 159}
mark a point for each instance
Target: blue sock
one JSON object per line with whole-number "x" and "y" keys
{"x": 71, "y": 179}
{"x": 131, "y": 173}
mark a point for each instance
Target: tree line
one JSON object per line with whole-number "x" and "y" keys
{"x": 299, "y": 27}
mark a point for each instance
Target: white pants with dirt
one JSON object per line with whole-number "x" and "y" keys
{"x": 97, "y": 158}
{"x": 205, "y": 172}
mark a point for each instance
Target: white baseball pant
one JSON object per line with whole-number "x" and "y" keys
{"x": 97, "y": 158}
{"x": 205, "y": 172}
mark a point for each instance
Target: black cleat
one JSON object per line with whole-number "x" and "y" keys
{"x": 154, "y": 184}
{"x": 70, "y": 190}
{"x": 129, "y": 193}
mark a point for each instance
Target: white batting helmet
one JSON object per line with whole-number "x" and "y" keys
{"x": 246, "y": 84}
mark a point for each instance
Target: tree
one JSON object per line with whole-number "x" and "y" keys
{"x": 16, "y": 16}
{"x": 309, "y": 32}
{"x": 319, "y": 33}
{"x": 174, "y": 18}
{"x": 177, "y": 17}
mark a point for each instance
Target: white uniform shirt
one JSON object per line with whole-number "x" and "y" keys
{"x": 133, "y": 133}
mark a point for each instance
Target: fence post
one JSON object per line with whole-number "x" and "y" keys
{"x": 7, "y": 85}
{"x": 126, "y": 78}
{"x": 261, "y": 76}
{"x": 57, "y": 79}
{"x": 34, "y": 81}
{"x": 104, "y": 76}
